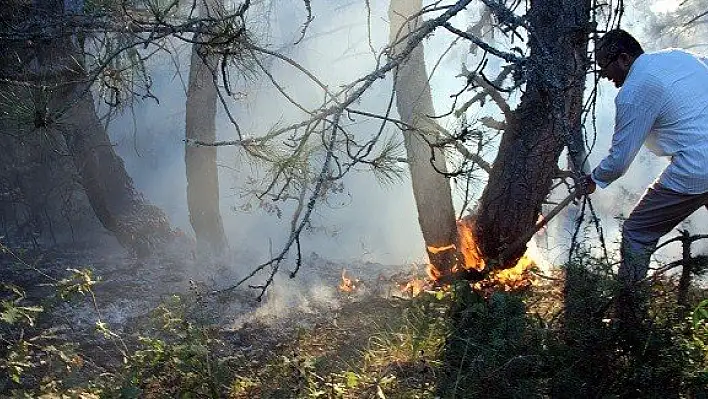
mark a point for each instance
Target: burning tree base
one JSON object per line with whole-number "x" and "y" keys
{"x": 483, "y": 276}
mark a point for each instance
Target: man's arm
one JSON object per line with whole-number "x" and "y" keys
{"x": 633, "y": 122}
{"x": 632, "y": 125}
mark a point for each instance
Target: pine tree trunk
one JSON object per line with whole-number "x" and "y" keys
{"x": 548, "y": 117}
{"x": 137, "y": 225}
{"x": 202, "y": 174}
{"x": 431, "y": 188}
{"x": 53, "y": 67}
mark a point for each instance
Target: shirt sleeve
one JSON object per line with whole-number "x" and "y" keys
{"x": 634, "y": 118}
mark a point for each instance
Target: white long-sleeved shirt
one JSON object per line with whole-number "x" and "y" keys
{"x": 663, "y": 104}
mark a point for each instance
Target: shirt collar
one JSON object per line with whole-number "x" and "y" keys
{"x": 634, "y": 65}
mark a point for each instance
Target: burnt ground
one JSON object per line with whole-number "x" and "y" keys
{"x": 309, "y": 311}
{"x": 306, "y": 336}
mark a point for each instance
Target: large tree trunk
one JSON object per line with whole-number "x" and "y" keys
{"x": 431, "y": 188}
{"x": 136, "y": 224}
{"x": 40, "y": 197}
{"x": 202, "y": 174}
{"x": 548, "y": 117}
{"x": 53, "y": 68}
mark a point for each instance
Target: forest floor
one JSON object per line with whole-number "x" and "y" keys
{"x": 156, "y": 328}
{"x": 270, "y": 342}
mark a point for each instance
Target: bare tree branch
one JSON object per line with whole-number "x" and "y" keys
{"x": 412, "y": 41}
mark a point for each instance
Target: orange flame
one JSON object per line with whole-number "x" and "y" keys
{"x": 468, "y": 245}
{"x": 437, "y": 250}
{"x": 433, "y": 272}
{"x": 510, "y": 279}
{"x": 347, "y": 284}
{"x": 415, "y": 286}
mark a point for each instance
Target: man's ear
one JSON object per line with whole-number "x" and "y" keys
{"x": 625, "y": 60}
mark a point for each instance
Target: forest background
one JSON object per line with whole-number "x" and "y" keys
{"x": 365, "y": 218}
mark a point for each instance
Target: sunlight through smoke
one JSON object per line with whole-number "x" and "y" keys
{"x": 665, "y": 6}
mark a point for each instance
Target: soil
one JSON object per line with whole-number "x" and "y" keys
{"x": 130, "y": 289}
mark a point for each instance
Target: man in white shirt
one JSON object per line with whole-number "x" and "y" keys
{"x": 662, "y": 103}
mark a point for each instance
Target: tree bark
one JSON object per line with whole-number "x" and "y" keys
{"x": 202, "y": 174}
{"x": 137, "y": 225}
{"x": 547, "y": 119}
{"x": 431, "y": 188}
{"x": 55, "y": 68}
{"x": 40, "y": 196}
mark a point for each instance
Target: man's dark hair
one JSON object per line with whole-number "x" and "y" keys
{"x": 618, "y": 41}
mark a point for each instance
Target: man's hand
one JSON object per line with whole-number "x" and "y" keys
{"x": 585, "y": 186}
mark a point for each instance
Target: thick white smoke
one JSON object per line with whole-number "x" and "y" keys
{"x": 368, "y": 222}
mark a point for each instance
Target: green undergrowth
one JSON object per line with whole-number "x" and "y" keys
{"x": 380, "y": 348}
{"x": 555, "y": 340}
{"x": 560, "y": 340}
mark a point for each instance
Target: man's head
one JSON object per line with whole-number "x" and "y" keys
{"x": 614, "y": 53}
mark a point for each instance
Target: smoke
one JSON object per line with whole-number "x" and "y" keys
{"x": 656, "y": 25}
{"x": 672, "y": 23}
{"x": 368, "y": 221}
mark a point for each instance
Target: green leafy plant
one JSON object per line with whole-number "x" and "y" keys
{"x": 33, "y": 359}
{"x": 175, "y": 359}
